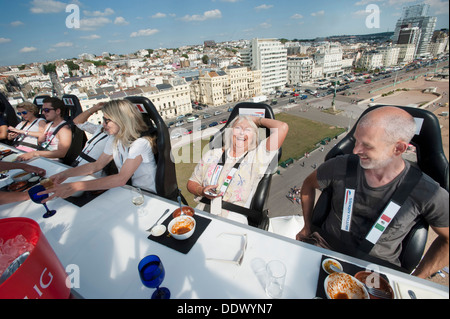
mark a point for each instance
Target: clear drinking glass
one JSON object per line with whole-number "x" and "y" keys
{"x": 137, "y": 198}
{"x": 276, "y": 274}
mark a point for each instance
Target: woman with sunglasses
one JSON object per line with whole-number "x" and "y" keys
{"x": 26, "y": 134}
{"x": 130, "y": 145}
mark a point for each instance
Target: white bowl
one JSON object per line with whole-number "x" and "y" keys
{"x": 343, "y": 286}
{"x": 21, "y": 176}
{"x": 326, "y": 265}
{"x": 183, "y": 218}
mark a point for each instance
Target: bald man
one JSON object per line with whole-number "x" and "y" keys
{"x": 381, "y": 137}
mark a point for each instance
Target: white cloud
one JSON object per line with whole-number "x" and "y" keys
{"x": 5, "y": 40}
{"x": 297, "y": 16}
{"x": 144, "y": 33}
{"x": 47, "y": 6}
{"x": 366, "y": 2}
{"x": 91, "y": 37}
{"x": 318, "y": 13}
{"x": 63, "y": 45}
{"x": 107, "y": 12}
{"x": 90, "y": 24}
{"x": 438, "y": 6}
{"x": 27, "y": 49}
{"x": 17, "y": 23}
{"x": 159, "y": 15}
{"x": 121, "y": 21}
{"x": 360, "y": 13}
{"x": 212, "y": 14}
{"x": 263, "y": 7}
{"x": 265, "y": 25}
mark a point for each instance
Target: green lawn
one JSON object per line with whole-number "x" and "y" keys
{"x": 303, "y": 136}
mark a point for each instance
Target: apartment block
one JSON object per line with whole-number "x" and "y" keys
{"x": 417, "y": 17}
{"x": 270, "y": 57}
{"x": 231, "y": 84}
{"x": 329, "y": 58}
{"x": 300, "y": 69}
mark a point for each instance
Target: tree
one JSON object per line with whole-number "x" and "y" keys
{"x": 205, "y": 59}
{"x": 49, "y": 68}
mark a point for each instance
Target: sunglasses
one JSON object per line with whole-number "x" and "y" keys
{"x": 106, "y": 121}
{"x": 46, "y": 110}
{"x": 22, "y": 113}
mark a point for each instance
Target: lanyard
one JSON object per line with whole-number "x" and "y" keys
{"x": 52, "y": 134}
{"x": 218, "y": 169}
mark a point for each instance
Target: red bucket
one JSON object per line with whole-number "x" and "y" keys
{"x": 41, "y": 275}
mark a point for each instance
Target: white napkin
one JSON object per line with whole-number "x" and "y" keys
{"x": 402, "y": 292}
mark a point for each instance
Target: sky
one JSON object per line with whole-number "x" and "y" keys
{"x": 47, "y": 30}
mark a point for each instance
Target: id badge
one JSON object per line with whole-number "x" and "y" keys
{"x": 347, "y": 209}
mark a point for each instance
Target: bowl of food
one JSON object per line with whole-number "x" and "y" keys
{"x": 182, "y": 227}
{"x": 339, "y": 285}
{"x": 373, "y": 279}
{"x": 327, "y": 263}
{"x": 18, "y": 186}
{"x": 185, "y": 209}
{"x": 22, "y": 176}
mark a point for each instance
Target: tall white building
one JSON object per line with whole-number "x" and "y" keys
{"x": 390, "y": 55}
{"x": 269, "y": 56}
{"x": 416, "y": 16}
{"x": 300, "y": 69}
{"x": 329, "y": 58}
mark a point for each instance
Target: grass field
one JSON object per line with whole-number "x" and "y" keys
{"x": 303, "y": 136}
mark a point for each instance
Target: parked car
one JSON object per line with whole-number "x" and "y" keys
{"x": 213, "y": 124}
{"x": 223, "y": 121}
{"x": 217, "y": 112}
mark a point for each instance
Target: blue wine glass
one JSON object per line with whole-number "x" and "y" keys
{"x": 33, "y": 192}
{"x": 151, "y": 271}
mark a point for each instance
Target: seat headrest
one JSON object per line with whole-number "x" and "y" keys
{"x": 243, "y": 108}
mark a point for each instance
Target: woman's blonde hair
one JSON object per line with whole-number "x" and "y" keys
{"x": 130, "y": 122}
{"x": 29, "y": 107}
{"x": 228, "y": 136}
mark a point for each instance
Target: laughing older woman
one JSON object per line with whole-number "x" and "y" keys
{"x": 241, "y": 145}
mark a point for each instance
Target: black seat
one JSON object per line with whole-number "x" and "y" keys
{"x": 79, "y": 138}
{"x": 430, "y": 159}
{"x": 73, "y": 106}
{"x": 165, "y": 179}
{"x": 257, "y": 213}
{"x": 8, "y": 113}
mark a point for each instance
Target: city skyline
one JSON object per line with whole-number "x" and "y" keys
{"x": 47, "y": 30}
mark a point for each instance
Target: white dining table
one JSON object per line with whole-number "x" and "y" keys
{"x": 106, "y": 238}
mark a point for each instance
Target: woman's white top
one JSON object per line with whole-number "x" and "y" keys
{"x": 144, "y": 176}
{"x": 30, "y": 127}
